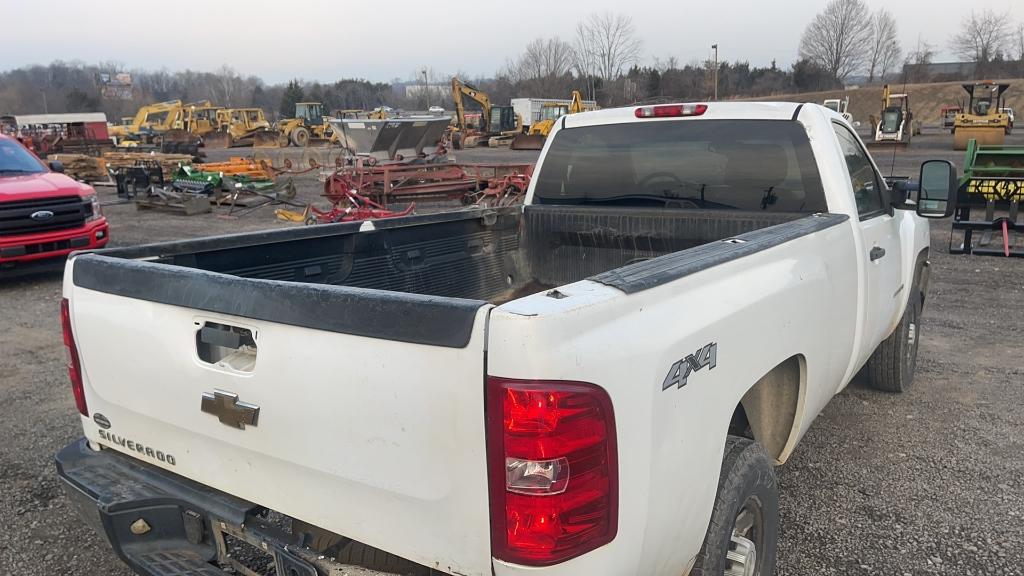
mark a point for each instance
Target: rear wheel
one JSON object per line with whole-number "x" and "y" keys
{"x": 742, "y": 539}
{"x": 891, "y": 368}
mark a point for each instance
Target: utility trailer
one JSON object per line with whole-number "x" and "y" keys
{"x": 989, "y": 202}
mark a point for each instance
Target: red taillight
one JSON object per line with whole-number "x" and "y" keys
{"x": 74, "y": 367}
{"x": 552, "y": 469}
{"x": 671, "y": 110}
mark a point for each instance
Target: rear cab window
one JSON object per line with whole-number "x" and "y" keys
{"x": 748, "y": 165}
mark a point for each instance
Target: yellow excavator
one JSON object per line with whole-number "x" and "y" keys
{"x": 309, "y": 125}
{"x": 498, "y": 124}
{"x": 149, "y": 122}
{"x": 984, "y": 119}
{"x": 534, "y": 138}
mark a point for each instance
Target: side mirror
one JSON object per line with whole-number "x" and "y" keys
{"x": 57, "y": 166}
{"x": 938, "y": 185}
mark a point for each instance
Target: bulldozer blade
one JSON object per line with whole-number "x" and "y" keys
{"x": 269, "y": 139}
{"x": 177, "y": 135}
{"x": 217, "y": 140}
{"x": 994, "y": 136}
{"x": 528, "y": 142}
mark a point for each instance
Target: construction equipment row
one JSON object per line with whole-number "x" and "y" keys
{"x": 220, "y": 127}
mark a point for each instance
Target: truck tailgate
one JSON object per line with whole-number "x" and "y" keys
{"x": 370, "y": 404}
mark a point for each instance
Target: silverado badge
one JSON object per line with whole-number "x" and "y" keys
{"x": 229, "y": 410}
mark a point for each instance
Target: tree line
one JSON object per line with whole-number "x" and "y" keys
{"x": 845, "y": 41}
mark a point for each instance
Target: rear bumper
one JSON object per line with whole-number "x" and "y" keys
{"x": 162, "y": 524}
{"x": 34, "y": 250}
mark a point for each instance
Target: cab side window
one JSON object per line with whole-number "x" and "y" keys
{"x": 867, "y": 187}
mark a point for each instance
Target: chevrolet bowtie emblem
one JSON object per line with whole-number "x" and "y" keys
{"x": 227, "y": 408}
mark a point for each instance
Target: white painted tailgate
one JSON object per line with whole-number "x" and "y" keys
{"x": 378, "y": 440}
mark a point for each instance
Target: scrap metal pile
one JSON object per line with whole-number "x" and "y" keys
{"x": 171, "y": 183}
{"x": 388, "y": 168}
{"x": 989, "y": 202}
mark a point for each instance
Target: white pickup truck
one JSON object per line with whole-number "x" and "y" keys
{"x": 597, "y": 383}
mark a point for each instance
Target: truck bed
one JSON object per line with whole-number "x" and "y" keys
{"x": 484, "y": 255}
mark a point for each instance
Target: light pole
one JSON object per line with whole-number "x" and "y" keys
{"x": 715, "y": 48}
{"x": 426, "y": 88}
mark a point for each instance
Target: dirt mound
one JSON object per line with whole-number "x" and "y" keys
{"x": 925, "y": 99}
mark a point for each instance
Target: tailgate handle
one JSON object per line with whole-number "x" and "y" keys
{"x": 220, "y": 335}
{"x": 227, "y": 347}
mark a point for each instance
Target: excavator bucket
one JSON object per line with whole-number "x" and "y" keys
{"x": 528, "y": 142}
{"x": 269, "y": 139}
{"x": 217, "y": 140}
{"x": 984, "y": 136}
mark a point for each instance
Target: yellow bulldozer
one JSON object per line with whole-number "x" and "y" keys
{"x": 192, "y": 123}
{"x": 984, "y": 119}
{"x": 308, "y": 126}
{"x": 533, "y": 139}
{"x": 243, "y": 127}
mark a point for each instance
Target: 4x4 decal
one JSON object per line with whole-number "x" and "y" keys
{"x": 680, "y": 371}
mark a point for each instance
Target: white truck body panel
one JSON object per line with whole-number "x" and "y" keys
{"x": 398, "y": 460}
{"x": 363, "y": 431}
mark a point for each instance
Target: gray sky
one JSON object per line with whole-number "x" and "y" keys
{"x": 324, "y": 40}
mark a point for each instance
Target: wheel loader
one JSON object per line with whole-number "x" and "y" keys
{"x": 983, "y": 120}
{"x": 309, "y": 126}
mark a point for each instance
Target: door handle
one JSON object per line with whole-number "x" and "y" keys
{"x": 876, "y": 253}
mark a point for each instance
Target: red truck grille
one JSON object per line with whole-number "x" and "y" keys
{"x": 43, "y": 215}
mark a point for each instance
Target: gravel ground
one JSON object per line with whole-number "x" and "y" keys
{"x": 928, "y": 482}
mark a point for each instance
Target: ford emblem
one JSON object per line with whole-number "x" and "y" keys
{"x": 41, "y": 215}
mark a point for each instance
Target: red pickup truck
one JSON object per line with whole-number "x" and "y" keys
{"x": 44, "y": 215}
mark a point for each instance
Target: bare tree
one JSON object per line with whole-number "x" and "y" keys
{"x": 545, "y": 66}
{"x": 606, "y": 44}
{"x": 982, "y": 36}
{"x": 885, "y": 44}
{"x": 1020, "y": 42}
{"x": 839, "y": 37}
{"x": 916, "y": 64}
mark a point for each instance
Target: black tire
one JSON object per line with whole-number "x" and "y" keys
{"x": 891, "y": 367}
{"x": 300, "y": 137}
{"x": 747, "y": 478}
